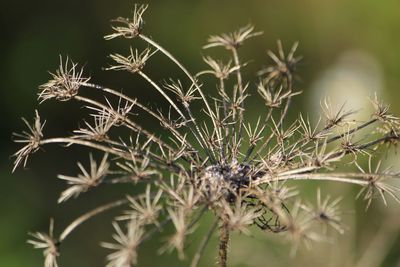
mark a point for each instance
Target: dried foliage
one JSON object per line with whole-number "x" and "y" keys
{"x": 215, "y": 161}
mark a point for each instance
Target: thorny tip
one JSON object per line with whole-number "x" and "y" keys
{"x": 125, "y": 245}
{"x": 31, "y": 140}
{"x": 134, "y": 62}
{"x": 232, "y": 40}
{"x": 86, "y": 180}
{"x": 129, "y": 28}
{"x": 65, "y": 82}
{"x": 48, "y": 244}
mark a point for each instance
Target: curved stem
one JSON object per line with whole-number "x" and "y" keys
{"x": 129, "y": 123}
{"x": 200, "y": 139}
{"x": 141, "y": 106}
{"x": 172, "y": 103}
{"x": 110, "y": 150}
{"x": 190, "y": 76}
{"x": 196, "y": 259}
{"x": 69, "y": 140}
{"x": 89, "y": 215}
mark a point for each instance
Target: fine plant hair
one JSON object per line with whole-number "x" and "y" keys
{"x": 215, "y": 161}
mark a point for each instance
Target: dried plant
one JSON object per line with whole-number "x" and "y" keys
{"x": 217, "y": 160}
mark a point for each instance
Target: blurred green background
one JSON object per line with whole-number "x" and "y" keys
{"x": 337, "y": 39}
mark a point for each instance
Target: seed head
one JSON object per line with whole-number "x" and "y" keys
{"x": 132, "y": 63}
{"x": 218, "y": 69}
{"x": 48, "y": 244}
{"x": 86, "y": 180}
{"x": 64, "y": 84}
{"x": 225, "y": 164}
{"x": 130, "y": 28}
{"x": 232, "y": 40}
{"x": 126, "y": 245}
{"x": 31, "y": 139}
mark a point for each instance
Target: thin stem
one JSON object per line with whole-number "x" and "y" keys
{"x": 251, "y": 148}
{"x": 223, "y": 95}
{"x": 200, "y": 139}
{"x": 110, "y": 150}
{"x": 143, "y": 107}
{"x": 223, "y": 245}
{"x": 365, "y": 124}
{"x": 332, "y": 139}
{"x": 68, "y": 140}
{"x": 198, "y": 217}
{"x": 156, "y": 229}
{"x": 89, "y": 215}
{"x": 190, "y": 76}
{"x": 172, "y": 103}
{"x": 130, "y": 124}
{"x": 203, "y": 244}
{"x": 240, "y": 88}
{"x": 283, "y": 115}
{"x": 192, "y": 119}
{"x": 225, "y": 107}
{"x": 384, "y": 139}
{"x": 315, "y": 176}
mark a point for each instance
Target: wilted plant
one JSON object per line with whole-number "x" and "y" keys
{"x": 217, "y": 163}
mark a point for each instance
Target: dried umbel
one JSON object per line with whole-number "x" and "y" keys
{"x": 214, "y": 161}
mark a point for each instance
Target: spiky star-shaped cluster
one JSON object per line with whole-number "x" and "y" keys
{"x": 217, "y": 160}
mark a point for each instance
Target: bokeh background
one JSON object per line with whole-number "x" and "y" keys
{"x": 350, "y": 49}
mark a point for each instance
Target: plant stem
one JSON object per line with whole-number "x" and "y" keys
{"x": 223, "y": 245}
{"x": 89, "y": 215}
{"x": 204, "y": 242}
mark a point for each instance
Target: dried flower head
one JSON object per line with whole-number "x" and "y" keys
{"x": 48, "y": 244}
{"x": 176, "y": 241}
{"x": 130, "y": 27}
{"x": 232, "y": 40}
{"x": 103, "y": 122}
{"x": 376, "y": 185}
{"x": 132, "y": 63}
{"x": 146, "y": 209}
{"x": 65, "y": 82}
{"x": 273, "y": 96}
{"x": 239, "y": 217}
{"x": 86, "y": 180}
{"x": 299, "y": 229}
{"x": 212, "y": 157}
{"x": 218, "y": 69}
{"x": 382, "y": 113}
{"x": 334, "y": 118}
{"x": 326, "y": 212}
{"x": 31, "y": 139}
{"x": 284, "y": 66}
{"x": 126, "y": 245}
{"x": 184, "y": 97}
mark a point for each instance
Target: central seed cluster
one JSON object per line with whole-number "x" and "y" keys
{"x": 230, "y": 177}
